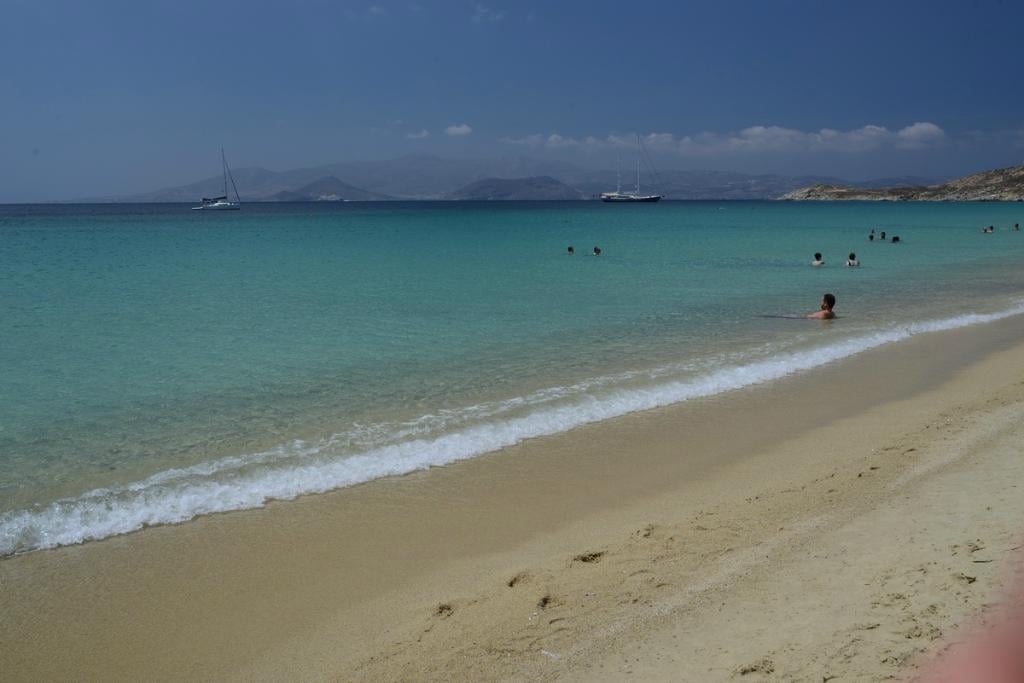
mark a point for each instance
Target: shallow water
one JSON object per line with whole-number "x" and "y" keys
{"x": 160, "y": 363}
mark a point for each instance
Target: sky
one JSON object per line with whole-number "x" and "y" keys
{"x": 105, "y": 98}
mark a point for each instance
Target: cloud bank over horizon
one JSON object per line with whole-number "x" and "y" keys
{"x": 753, "y": 140}
{"x": 866, "y": 151}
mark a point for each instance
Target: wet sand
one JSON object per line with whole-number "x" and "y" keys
{"x": 759, "y": 534}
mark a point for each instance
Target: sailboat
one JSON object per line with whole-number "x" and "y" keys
{"x": 635, "y": 196}
{"x": 222, "y": 203}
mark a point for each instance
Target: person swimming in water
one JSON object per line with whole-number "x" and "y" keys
{"x": 597, "y": 251}
{"x": 828, "y": 302}
{"x": 883, "y": 235}
{"x": 817, "y": 260}
{"x": 852, "y": 261}
{"x": 571, "y": 251}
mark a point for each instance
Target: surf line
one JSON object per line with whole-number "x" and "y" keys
{"x": 123, "y": 509}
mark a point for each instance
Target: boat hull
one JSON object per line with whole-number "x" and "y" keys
{"x": 629, "y": 199}
{"x": 218, "y": 207}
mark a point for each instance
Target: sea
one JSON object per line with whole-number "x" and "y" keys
{"x": 159, "y": 364}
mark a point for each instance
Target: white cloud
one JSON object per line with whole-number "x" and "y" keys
{"x": 419, "y": 136}
{"x": 766, "y": 139}
{"x": 755, "y": 140}
{"x": 556, "y": 140}
{"x": 484, "y": 14}
{"x": 920, "y": 134}
{"x": 458, "y": 130}
{"x": 535, "y": 140}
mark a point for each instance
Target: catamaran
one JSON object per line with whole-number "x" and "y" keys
{"x": 222, "y": 203}
{"x": 635, "y": 196}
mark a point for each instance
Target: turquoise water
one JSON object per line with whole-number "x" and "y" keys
{"x": 159, "y": 363}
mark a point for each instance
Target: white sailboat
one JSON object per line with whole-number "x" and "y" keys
{"x": 222, "y": 203}
{"x": 635, "y": 196}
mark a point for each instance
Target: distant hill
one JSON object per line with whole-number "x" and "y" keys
{"x": 673, "y": 184}
{"x": 430, "y": 177}
{"x": 407, "y": 177}
{"x": 535, "y": 188}
{"x": 327, "y": 189}
{"x": 900, "y": 181}
{"x": 1001, "y": 184}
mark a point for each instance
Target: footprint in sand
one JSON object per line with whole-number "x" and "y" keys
{"x": 762, "y": 666}
{"x": 521, "y": 577}
{"x": 548, "y": 601}
{"x": 646, "y": 531}
{"x": 589, "y": 558}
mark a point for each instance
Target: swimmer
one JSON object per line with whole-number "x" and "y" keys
{"x": 852, "y": 261}
{"x": 828, "y": 302}
{"x": 817, "y": 260}
{"x": 1016, "y": 227}
{"x": 871, "y": 237}
{"x": 895, "y": 239}
{"x": 883, "y": 235}
{"x": 571, "y": 251}
{"x": 597, "y": 251}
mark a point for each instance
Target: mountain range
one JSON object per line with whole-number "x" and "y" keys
{"x": 533, "y": 188}
{"x": 430, "y": 177}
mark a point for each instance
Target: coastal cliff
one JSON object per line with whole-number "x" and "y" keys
{"x": 1001, "y": 184}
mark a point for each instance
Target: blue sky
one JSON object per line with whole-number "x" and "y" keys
{"x": 115, "y": 97}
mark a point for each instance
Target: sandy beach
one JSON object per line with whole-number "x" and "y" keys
{"x": 836, "y": 525}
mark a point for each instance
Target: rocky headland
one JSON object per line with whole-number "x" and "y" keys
{"x": 998, "y": 185}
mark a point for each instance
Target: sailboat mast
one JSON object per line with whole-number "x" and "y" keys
{"x": 638, "y": 165}
{"x": 618, "y": 174}
{"x": 224, "y": 171}
{"x": 227, "y": 174}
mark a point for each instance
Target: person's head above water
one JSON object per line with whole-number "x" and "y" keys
{"x": 853, "y": 257}
{"x": 597, "y": 251}
{"x": 828, "y": 302}
{"x": 571, "y": 250}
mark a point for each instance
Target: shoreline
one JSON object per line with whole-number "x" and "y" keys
{"x": 157, "y": 500}
{"x": 327, "y": 586}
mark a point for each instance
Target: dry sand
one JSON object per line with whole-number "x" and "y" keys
{"x": 829, "y": 526}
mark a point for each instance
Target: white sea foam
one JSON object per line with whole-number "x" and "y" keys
{"x": 298, "y": 468}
